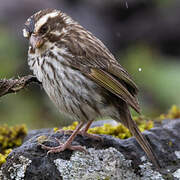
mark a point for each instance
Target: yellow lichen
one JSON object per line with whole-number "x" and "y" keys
{"x": 71, "y": 127}
{"x": 121, "y": 131}
{"x": 170, "y": 143}
{"x": 118, "y": 131}
{"x": 10, "y": 137}
{"x": 42, "y": 139}
{"x": 4, "y": 155}
{"x": 55, "y": 129}
{"x": 2, "y": 159}
{"x": 173, "y": 113}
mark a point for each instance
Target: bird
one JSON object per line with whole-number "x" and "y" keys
{"x": 81, "y": 76}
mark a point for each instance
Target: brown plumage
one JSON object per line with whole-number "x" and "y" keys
{"x": 80, "y": 75}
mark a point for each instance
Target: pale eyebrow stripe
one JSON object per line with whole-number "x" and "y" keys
{"x": 44, "y": 19}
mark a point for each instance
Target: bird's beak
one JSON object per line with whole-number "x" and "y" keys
{"x": 35, "y": 42}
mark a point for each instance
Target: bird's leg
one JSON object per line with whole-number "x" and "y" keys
{"x": 83, "y": 132}
{"x": 85, "y": 129}
{"x": 67, "y": 144}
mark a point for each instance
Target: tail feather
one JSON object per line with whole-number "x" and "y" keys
{"x": 143, "y": 142}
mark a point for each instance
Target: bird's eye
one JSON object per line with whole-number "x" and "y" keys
{"x": 43, "y": 29}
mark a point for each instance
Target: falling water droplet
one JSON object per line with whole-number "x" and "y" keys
{"x": 127, "y": 5}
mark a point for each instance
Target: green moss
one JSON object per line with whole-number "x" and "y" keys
{"x": 10, "y": 137}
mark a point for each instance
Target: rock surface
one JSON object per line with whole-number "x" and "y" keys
{"x": 110, "y": 159}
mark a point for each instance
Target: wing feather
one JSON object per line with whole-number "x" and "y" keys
{"x": 92, "y": 58}
{"x": 107, "y": 81}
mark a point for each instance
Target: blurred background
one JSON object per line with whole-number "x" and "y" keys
{"x": 143, "y": 35}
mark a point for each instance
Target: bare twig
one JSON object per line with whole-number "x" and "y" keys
{"x": 14, "y": 85}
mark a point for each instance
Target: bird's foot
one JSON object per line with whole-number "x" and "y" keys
{"x": 62, "y": 147}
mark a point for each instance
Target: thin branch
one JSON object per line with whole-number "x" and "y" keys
{"x": 14, "y": 85}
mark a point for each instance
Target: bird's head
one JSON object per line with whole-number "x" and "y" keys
{"x": 44, "y": 28}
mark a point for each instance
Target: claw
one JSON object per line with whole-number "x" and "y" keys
{"x": 67, "y": 144}
{"x": 58, "y": 141}
{"x": 63, "y": 147}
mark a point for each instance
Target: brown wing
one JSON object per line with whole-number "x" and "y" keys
{"x": 114, "y": 86}
{"x": 92, "y": 58}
